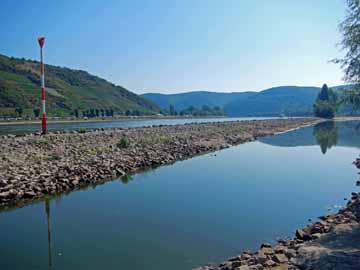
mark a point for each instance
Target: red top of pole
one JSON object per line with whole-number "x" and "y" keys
{"x": 41, "y": 41}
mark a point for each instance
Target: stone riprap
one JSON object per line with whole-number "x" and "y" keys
{"x": 33, "y": 167}
{"x": 332, "y": 243}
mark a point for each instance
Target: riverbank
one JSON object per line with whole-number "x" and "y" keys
{"x": 33, "y": 167}
{"x": 332, "y": 243}
{"x": 97, "y": 120}
{"x": 141, "y": 118}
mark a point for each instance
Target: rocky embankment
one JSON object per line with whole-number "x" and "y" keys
{"x": 332, "y": 243}
{"x": 33, "y": 167}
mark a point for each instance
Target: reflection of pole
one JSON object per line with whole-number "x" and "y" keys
{"x": 47, "y": 210}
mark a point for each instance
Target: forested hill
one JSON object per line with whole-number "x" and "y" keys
{"x": 67, "y": 90}
{"x": 284, "y": 100}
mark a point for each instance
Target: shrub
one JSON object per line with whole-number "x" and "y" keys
{"x": 82, "y": 130}
{"x": 123, "y": 143}
{"x": 41, "y": 142}
{"x": 53, "y": 157}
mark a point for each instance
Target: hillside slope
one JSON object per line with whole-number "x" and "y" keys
{"x": 182, "y": 101}
{"x": 67, "y": 90}
{"x": 287, "y": 100}
{"x": 284, "y": 100}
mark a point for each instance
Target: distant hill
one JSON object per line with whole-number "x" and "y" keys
{"x": 284, "y": 100}
{"x": 287, "y": 100}
{"x": 182, "y": 101}
{"x": 67, "y": 90}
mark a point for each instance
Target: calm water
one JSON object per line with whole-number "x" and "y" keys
{"x": 193, "y": 212}
{"x": 31, "y": 128}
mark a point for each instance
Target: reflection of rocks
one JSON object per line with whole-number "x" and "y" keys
{"x": 33, "y": 167}
{"x": 326, "y": 135}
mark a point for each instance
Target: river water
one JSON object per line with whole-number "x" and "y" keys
{"x": 196, "y": 211}
{"x": 19, "y": 129}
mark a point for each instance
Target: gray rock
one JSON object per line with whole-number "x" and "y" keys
{"x": 300, "y": 234}
{"x": 279, "y": 258}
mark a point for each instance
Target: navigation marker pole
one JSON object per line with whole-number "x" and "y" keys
{"x": 41, "y": 41}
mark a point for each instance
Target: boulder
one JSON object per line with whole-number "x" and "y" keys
{"x": 280, "y": 258}
{"x": 300, "y": 234}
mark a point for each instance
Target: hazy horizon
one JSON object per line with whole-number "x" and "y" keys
{"x": 182, "y": 46}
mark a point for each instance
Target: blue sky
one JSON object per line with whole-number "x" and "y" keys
{"x": 175, "y": 46}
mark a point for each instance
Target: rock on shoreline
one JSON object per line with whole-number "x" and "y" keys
{"x": 33, "y": 167}
{"x": 333, "y": 243}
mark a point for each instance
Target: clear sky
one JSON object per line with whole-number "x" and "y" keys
{"x": 173, "y": 46}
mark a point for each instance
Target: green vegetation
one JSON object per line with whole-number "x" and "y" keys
{"x": 350, "y": 30}
{"x": 277, "y": 101}
{"x": 69, "y": 92}
{"x": 124, "y": 142}
{"x": 82, "y": 130}
{"x": 183, "y": 101}
{"x": 41, "y": 142}
{"x": 126, "y": 179}
{"x": 36, "y": 112}
{"x": 326, "y": 104}
{"x": 54, "y": 157}
{"x": 203, "y": 111}
{"x": 151, "y": 140}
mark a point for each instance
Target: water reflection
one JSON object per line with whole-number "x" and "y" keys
{"x": 126, "y": 179}
{"x": 47, "y": 211}
{"x": 326, "y": 135}
{"x": 174, "y": 216}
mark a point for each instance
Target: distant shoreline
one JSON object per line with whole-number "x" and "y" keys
{"x": 141, "y": 118}
{"x": 96, "y": 120}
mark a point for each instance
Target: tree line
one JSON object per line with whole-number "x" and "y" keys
{"x": 350, "y": 64}
{"x": 91, "y": 113}
{"x": 204, "y": 110}
{"x": 328, "y": 102}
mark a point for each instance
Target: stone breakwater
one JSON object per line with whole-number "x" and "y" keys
{"x": 33, "y": 167}
{"x": 332, "y": 243}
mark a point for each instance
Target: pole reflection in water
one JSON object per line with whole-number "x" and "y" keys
{"x": 47, "y": 210}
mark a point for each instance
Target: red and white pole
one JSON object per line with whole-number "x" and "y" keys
{"x": 41, "y": 41}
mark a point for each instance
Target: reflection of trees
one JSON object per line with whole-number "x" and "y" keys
{"x": 47, "y": 211}
{"x": 326, "y": 135}
{"x": 126, "y": 179}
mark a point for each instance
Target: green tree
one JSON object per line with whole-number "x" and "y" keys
{"x": 76, "y": 113}
{"x": 324, "y": 93}
{"x": 326, "y": 103}
{"x": 36, "y": 112}
{"x": 350, "y": 63}
{"x": 172, "y": 110}
{"x": 19, "y": 111}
